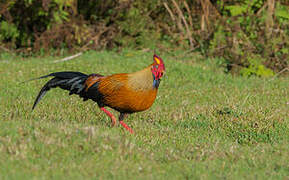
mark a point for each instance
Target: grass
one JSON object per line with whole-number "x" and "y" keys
{"x": 205, "y": 124}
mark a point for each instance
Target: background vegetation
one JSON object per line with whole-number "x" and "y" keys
{"x": 249, "y": 37}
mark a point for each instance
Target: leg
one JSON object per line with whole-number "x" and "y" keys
{"x": 121, "y": 117}
{"x": 113, "y": 119}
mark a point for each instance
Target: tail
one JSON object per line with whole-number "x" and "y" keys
{"x": 74, "y": 82}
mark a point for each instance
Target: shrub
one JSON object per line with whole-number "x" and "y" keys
{"x": 236, "y": 31}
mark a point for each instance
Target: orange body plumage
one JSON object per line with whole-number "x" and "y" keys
{"x": 127, "y": 93}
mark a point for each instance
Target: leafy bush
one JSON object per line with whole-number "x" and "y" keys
{"x": 79, "y": 25}
{"x": 242, "y": 36}
{"x": 8, "y": 32}
{"x": 256, "y": 68}
{"x": 236, "y": 31}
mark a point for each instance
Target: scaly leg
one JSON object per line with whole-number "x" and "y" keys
{"x": 121, "y": 117}
{"x": 113, "y": 119}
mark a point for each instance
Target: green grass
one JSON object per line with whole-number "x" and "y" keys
{"x": 205, "y": 124}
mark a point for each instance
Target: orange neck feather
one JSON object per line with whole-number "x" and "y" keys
{"x": 141, "y": 80}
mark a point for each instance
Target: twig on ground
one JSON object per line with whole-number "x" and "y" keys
{"x": 68, "y": 58}
{"x": 280, "y": 72}
{"x": 5, "y": 49}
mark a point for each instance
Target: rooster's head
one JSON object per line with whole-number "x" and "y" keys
{"x": 158, "y": 67}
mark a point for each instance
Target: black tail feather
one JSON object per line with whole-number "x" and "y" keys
{"x": 71, "y": 81}
{"x": 42, "y": 92}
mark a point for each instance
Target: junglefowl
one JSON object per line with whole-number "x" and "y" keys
{"x": 126, "y": 92}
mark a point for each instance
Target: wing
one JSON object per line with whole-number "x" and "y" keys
{"x": 92, "y": 79}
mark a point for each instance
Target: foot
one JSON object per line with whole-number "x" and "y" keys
{"x": 126, "y": 127}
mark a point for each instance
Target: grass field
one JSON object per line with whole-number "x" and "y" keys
{"x": 205, "y": 124}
